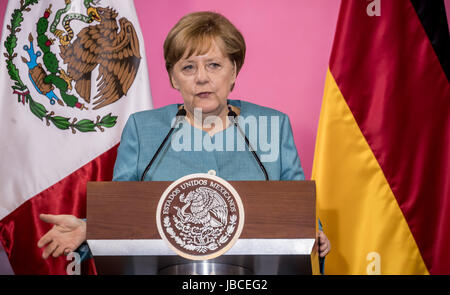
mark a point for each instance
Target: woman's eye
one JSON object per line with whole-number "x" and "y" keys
{"x": 188, "y": 69}
{"x": 214, "y": 65}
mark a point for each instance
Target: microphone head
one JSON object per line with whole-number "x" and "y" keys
{"x": 231, "y": 113}
{"x": 181, "y": 113}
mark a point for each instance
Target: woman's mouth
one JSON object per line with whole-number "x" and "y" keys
{"x": 204, "y": 94}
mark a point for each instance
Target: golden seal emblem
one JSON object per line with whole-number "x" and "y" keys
{"x": 200, "y": 216}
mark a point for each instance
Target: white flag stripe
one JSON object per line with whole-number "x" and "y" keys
{"x": 35, "y": 156}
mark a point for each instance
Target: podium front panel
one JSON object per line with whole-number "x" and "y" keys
{"x": 278, "y": 237}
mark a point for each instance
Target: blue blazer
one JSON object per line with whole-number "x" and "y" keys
{"x": 191, "y": 150}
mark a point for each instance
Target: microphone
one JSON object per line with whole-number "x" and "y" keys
{"x": 180, "y": 115}
{"x": 232, "y": 114}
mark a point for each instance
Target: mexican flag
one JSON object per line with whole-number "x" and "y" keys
{"x": 71, "y": 73}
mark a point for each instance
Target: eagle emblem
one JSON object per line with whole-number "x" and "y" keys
{"x": 200, "y": 215}
{"x": 207, "y": 208}
{"x": 113, "y": 48}
{"x": 61, "y": 62}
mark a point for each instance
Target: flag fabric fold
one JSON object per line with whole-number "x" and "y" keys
{"x": 382, "y": 158}
{"x": 72, "y": 73}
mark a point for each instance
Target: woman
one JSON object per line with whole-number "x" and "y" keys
{"x": 204, "y": 53}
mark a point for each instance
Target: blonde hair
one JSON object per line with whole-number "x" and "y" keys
{"x": 196, "y": 32}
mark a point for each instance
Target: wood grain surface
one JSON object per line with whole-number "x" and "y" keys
{"x": 273, "y": 209}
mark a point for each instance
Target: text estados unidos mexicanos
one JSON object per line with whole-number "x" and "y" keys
{"x": 199, "y": 182}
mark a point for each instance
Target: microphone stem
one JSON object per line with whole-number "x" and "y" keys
{"x": 181, "y": 114}
{"x": 250, "y": 147}
{"x": 157, "y": 152}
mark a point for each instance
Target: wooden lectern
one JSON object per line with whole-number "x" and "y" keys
{"x": 279, "y": 235}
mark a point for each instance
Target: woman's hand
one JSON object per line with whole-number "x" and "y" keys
{"x": 67, "y": 234}
{"x": 324, "y": 244}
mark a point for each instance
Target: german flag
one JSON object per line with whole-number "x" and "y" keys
{"x": 382, "y": 157}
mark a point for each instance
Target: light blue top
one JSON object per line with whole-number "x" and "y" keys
{"x": 225, "y": 153}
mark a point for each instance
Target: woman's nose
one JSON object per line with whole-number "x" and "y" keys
{"x": 202, "y": 75}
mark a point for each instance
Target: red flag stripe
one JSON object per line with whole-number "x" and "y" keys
{"x": 22, "y": 228}
{"x": 391, "y": 78}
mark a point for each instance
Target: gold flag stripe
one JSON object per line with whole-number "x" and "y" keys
{"x": 359, "y": 212}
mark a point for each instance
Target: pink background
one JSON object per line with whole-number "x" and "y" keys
{"x": 288, "y": 47}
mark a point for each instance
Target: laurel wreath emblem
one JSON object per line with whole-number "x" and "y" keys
{"x": 185, "y": 242}
{"x": 24, "y": 96}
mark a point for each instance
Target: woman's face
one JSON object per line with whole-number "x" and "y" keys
{"x": 205, "y": 81}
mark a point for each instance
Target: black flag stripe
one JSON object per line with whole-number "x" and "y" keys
{"x": 434, "y": 20}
